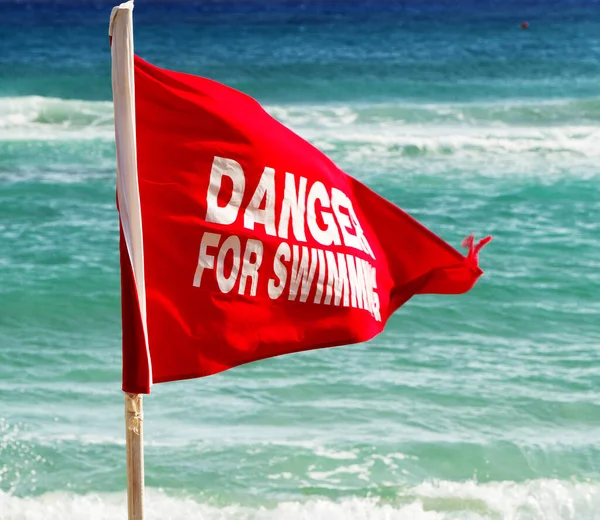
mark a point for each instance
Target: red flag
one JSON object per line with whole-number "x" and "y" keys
{"x": 255, "y": 244}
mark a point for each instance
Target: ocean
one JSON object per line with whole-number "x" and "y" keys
{"x": 479, "y": 406}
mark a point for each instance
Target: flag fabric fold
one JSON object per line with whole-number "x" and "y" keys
{"x": 255, "y": 244}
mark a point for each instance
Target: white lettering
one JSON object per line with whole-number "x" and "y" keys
{"x": 254, "y": 248}
{"x": 226, "y": 283}
{"x": 321, "y": 279}
{"x": 205, "y": 261}
{"x": 339, "y": 200}
{"x": 376, "y": 313}
{"x": 224, "y": 168}
{"x": 337, "y": 279}
{"x": 282, "y": 254}
{"x": 329, "y": 235}
{"x": 294, "y": 205}
{"x": 366, "y": 247}
{"x": 264, "y": 191}
{"x": 303, "y": 272}
{"x": 355, "y": 276}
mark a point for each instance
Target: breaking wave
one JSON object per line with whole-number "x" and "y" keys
{"x": 498, "y": 113}
{"x": 543, "y": 499}
{"x": 560, "y": 131}
{"x": 41, "y": 118}
{"x": 504, "y": 135}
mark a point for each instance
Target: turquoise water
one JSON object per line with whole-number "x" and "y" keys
{"x": 480, "y": 406}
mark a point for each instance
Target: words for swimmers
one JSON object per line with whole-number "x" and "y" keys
{"x": 298, "y": 272}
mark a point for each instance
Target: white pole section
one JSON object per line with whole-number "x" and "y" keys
{"x": 135, "y": 456}
{"x": 123, "y": 86}
{"x": 128, "y": 194}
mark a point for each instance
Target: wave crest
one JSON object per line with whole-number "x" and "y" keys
{"x": 513, "y": 136}
{"x": 543, "y": 499}
{"x": 508, "y": 112}
{"x": 35, "y": 117}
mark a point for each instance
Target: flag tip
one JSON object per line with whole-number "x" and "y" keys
{"x": 473, "y": 254}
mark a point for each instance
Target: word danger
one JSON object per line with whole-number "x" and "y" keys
{"x": 298, "y": 272}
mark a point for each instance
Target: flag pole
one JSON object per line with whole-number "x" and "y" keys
{"x": 134, "y": 435}
{"x": 121, "y": 37}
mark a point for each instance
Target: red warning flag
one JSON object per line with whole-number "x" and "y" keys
{"x": 251, "y": 242}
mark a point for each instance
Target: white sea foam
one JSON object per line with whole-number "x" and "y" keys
{"x": 361, "y": 138}
{"x": 526, "y": 112}
{"x": 540, "y": 137}
{"x": 442, "y": 500}
{"x": 521, "y": 136}
{"x": 31, "y": 118}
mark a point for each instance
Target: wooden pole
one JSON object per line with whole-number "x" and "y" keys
{"x": 135, "y": 455}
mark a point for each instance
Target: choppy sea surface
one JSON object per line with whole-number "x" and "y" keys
{"x": 480, "y": 406}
